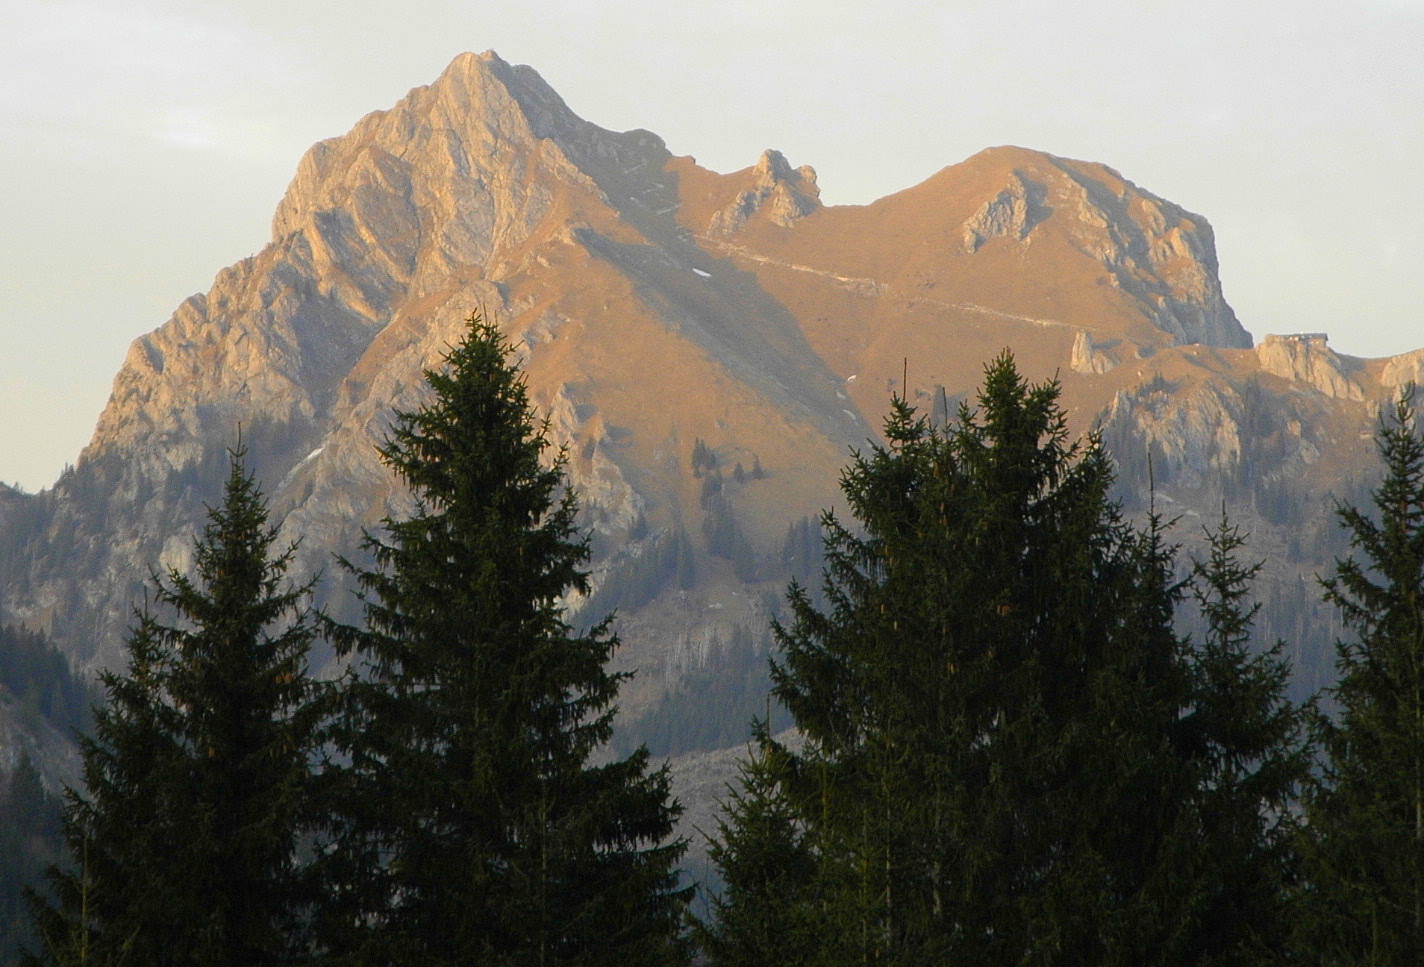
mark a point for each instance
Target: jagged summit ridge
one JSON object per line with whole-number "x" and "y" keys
{"x": 655, "y": 303}
{"x": 479, "y": 110}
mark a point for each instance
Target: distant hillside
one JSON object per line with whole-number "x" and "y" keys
{"x": 43, "y": 705}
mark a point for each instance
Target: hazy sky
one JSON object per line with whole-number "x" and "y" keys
{"x": 144, "y": 144}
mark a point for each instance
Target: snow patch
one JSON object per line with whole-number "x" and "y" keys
{"x": 298, "y": 465}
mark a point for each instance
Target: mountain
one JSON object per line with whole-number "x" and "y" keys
{"x": 665, "y": 311}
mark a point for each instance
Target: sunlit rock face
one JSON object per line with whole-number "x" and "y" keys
{"x": 1307, "y": 358}
{"x": 783, "y": 196}
{"x": 655, "y": 304}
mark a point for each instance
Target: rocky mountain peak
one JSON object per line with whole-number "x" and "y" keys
{"x": 1152, "y": 248}
{"x": 778, "y": 192}
{"x": 1013, "y": 203}
{"x": 477, "y": 118}
{"x": 655, "y": 304}
{"x": 453, "y": 182}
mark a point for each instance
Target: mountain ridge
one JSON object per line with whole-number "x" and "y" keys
{"x": 658, "y": 306}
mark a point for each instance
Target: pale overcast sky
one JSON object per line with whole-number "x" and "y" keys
{"x": 144, "y": 144}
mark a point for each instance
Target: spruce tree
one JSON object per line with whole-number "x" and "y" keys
{"x": 1365, "y": 902}
{"x": 183, "y": 842}
{"x": 766, "y": 912}
{"x": 472, "y": 827}
{"x": 994, "y": 770}
{"x": 1251, "y": 740}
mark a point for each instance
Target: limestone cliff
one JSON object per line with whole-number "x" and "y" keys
{"x": 1307, "y": 358}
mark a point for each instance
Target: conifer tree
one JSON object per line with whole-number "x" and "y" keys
{"x": 1365, "y": 904}
{"x": 766, "y": 912}
{"x": 184, "y": 839}
{"x": 993, "y": 770}
{"x": 472, "y": 828}
{"x": 1251, "y": 740}
{"x": 30, "y": 842}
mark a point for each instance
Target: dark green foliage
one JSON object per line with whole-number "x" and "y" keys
{"x": 471, "y": 828}
{"x": 725, "y": 538}
{"x": 1366, "y": 815}
{"x": 1251, "y": 741}
{"x": 711, "y": 489}
{"x": 801, "y": 549}
{"x": 30, "y": 842}
{"x": 36, "y": 683}
{"x": 39, "y": 676}
{"x": 183, "y": 842}
{"x": 686, "y": 562}
{"x": 995, "y": 770}
{"x": 767, "y": 912}
{"x": 703, "y": 459}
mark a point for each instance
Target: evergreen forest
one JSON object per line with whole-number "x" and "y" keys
{"x": 989, "y": 739}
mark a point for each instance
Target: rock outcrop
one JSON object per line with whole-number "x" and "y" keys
{"x": 1088, "y": 357}
{"x": 1010, "y": 214}
{"x": 1399, "y": 371}
{"x": 781, "y": 195}
{"x": 1307, "y": 358}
